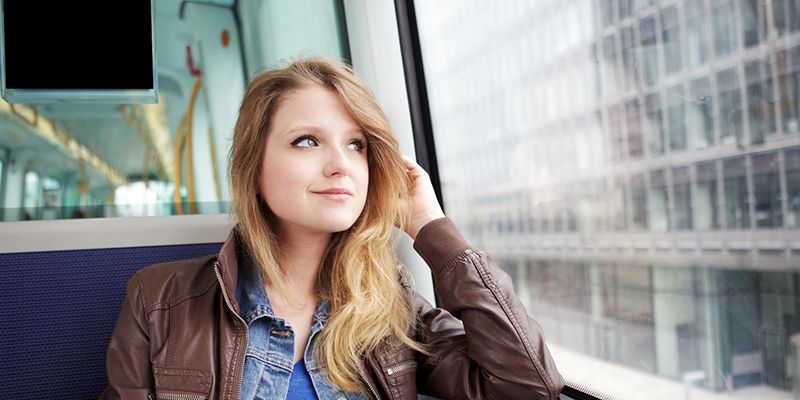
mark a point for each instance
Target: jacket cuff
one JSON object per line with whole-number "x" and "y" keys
{"x": 439, "y": 241}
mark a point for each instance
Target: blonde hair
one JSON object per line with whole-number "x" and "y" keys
{"x": 359, "y": 273}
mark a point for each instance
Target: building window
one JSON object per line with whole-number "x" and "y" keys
{"x": 606, "y": 8}
{"x": 610, "y": 75}
{"x": 615, "y": 132}
{"x": 792, "y": 162}
{"x": 696, "y": 33}
{"x": 737, "y": 209}
{"x": 754, "y": 22}
{"x": 647, "y": 31}
{"x": 658, "y": 203}
{"x": 639, "y": 202}
{"x": 654, "y": 124}
{"x": 630, "y": 58}
{"x": 788, "y": 63}
{"x": 787, "y": 16}
{"x": 706, "y": 211}
{"x": 700, "y": 118}
{"x": 676, "y": 113}
{"x": 760, "y": 101}
{"x": 730, "y": 107}
{"x": 625, "y": 8}
{"x": 671, "y": 36}
{"x": 767, "y": 191}
{"x": 634, "y": 127}
{"x": 682, "y": 194}
{"x": 724, "y": 26}
{"x": 618, "y": 205}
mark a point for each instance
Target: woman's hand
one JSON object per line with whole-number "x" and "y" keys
{"x": 422, "y": 205}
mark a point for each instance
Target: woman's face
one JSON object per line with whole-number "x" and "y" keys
{"x": 314, "y": 146}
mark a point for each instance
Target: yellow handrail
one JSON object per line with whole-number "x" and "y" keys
{"x": 183, "y": 139}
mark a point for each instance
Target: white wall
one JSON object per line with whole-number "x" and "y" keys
{"x": 224, "y": 84}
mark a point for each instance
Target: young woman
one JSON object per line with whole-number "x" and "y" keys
{"x": 306, "y": 299}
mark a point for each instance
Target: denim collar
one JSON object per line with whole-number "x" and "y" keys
{"x": 252, "y": 298}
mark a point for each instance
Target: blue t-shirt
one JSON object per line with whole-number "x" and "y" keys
{"x": 300, "y": 386}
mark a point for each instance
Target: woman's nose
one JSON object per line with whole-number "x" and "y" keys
{"x": 336, "y": 162}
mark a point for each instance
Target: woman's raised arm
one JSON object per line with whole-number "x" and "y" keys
{"x": 483, "y": 343}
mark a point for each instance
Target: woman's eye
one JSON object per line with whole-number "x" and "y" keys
{"x": 304, "y": 141}
{"x": 359, "y": 145}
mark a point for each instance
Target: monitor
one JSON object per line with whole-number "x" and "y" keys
{"x": 87, "y": 51}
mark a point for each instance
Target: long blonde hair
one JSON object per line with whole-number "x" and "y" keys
{"x": 359, "y": 272}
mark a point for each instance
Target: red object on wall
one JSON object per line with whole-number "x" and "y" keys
{"x": 190, "y": 63}
{"x": 226, "y": 38}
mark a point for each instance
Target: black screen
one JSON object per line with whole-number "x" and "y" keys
{"x": 78, "y": 44}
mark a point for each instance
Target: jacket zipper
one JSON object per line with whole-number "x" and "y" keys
{"x": 401, "y": 368}
{"x": 369, "y": 384}
{"x": 167, "y": 396}
{"x": 239, "y": 317}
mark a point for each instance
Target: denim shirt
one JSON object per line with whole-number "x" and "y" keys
{"x": 270, "y": 349}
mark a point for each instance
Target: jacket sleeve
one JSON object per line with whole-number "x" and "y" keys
{"x": 130, "y": 374}
{"x": 483, "y": 343}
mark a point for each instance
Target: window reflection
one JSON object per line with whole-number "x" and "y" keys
{"x": 661, "y": 226}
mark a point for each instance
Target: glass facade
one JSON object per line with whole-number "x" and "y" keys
{"x": 635, "y": 167}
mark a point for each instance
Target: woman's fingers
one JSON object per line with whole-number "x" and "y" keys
{"x": 411, "y": 167}
{"x": 423, "y": 205}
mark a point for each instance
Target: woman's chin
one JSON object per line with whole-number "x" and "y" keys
{"x": 334, "y": 226}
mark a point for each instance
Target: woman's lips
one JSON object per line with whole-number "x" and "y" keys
{"x": 336, "y": 194}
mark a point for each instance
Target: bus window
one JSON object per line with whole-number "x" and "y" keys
{"x": 31, "y": 199}
{"x": 680, "y": 275}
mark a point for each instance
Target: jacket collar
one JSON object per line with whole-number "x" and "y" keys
{"x": 252, "y": 297}
{"x": 228, "y": 267}
{"x": 229, "y": 264}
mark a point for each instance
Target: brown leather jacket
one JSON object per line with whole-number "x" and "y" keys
{"x": 179, "y": 331}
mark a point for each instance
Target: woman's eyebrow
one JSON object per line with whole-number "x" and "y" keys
{"x": 301, "y": 128}
{"x": 315, "y": 129}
